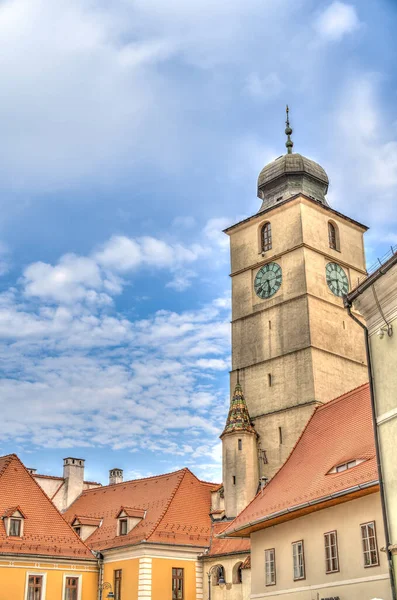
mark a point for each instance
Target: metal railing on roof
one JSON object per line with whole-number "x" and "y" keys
{"x": 379, "y": 263}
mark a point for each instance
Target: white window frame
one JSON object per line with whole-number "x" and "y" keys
{"x": 366, "y": 538}
{"x": 333, "y": 554}
{"x": 36, "y": 574}
{"x": 270, "y": 559}
{"x": 78, "y": 576}
{"x": 295, "y": 559}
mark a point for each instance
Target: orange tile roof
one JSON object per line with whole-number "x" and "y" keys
{"x": 129, "y": 511}
{"x": 338, "y": 431}
{"x": 177, "y": 509}
{"x": 45, "y": 530}
{"x": 82, "y": 520}
{"x": 222, "y": 546}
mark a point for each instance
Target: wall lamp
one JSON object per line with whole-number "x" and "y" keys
{"x": 108, "y": 586}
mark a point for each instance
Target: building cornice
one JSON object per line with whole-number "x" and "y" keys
{"x": 262, "y": 213}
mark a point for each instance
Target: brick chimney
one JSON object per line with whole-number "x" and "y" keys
{"x": 73, "y": 475}
{"x": 115, "y": 476}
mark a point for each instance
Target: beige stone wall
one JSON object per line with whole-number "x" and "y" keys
{"x": 232, "y": 591}
{"x": 301, "y": 338}
{"x": 352, "y": 582}
{"x": 240, "y": 469}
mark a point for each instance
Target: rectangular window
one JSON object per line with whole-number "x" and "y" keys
{"x": 240, "y": 444}
{"x": 71, "y": 588}
{"x": 270, "y": 566}
{"x": 331, "y": 552}
{"x": 370, "y": 547}
{"x": 15, "y": 527}
{"x": 298, "y": 560}
{"x": 177, "y": 584}
{"x": 123, "y": 527}
{"x": 35, "y": 587}
{"x": 117, "y": 584}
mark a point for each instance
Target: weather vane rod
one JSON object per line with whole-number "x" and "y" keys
{"x": 288, "y": 131}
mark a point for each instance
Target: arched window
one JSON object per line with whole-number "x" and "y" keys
{"x": 218, "y": 575}
{"x": 333, "y": 236}
{"x": 237, "y": 573}
{"x": 266, "y": 237}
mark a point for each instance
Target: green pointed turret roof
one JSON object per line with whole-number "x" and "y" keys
{"x": 238, "y": 418}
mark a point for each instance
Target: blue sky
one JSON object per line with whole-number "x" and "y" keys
{"x": 132, "y": 133}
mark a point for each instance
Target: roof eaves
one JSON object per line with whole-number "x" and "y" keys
{"x": 297, "y": 507}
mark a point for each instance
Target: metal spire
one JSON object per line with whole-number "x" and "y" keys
{"x": 288, "y": 131}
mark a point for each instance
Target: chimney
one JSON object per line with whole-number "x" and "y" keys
{"x": 115, "y": 476}
{"x": 73, "y": 475}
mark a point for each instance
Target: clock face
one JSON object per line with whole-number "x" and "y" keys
{"x": 268, "y": 280}
{"x": 336, "y": 279}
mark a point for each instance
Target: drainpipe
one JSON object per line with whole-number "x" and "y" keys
{"x": 99, "y": 557}
{"x": 348, "y": 306}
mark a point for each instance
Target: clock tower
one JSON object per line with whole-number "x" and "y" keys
{"x": 293, "y": 347}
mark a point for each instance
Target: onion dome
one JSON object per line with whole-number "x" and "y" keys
{"x": 289, "y": 175}
{"x": 238, "y": 419}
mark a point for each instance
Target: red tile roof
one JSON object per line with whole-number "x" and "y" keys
{"x": 177, "y": 509}
{"x": 222, "y": 546}
{"x": 45, "y": 530}
{"x": 338, "y": 431}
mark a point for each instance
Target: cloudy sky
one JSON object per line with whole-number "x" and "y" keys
{"x": 131, "y": 133}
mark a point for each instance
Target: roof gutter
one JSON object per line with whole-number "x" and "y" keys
{"x": 348, "y": 301}
{"x": 297, "y": 507}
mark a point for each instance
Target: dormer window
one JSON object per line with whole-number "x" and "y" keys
{"x": 14, "y": 521}
{"x": 85, "y": 526}
{"x": 15, "y": 527}
{"x": 123, "y": 525}
{"x": 128, "y": 518}
{"x": 346, "y": 465}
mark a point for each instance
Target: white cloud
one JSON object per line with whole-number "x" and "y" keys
{"x": 337, "y": 20}
{"x": 263, "y": 88}
{"x": 215, "y": 364}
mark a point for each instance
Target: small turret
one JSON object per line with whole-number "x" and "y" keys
{"x": 239, "y": 456}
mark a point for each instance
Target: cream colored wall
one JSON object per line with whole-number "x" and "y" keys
{"x": 354, "y": 581}
{"x": 243, "y": 465}
{"x": 232, "y": 591}
{"x": 50, "y": 486}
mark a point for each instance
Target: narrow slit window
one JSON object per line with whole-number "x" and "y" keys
{"x": 234, "y": 480}
{"x": 280, "y": 435}
{"x": 240, "y": 444}
{"x": 269, "y": 379}
{"x": 266, "y": 237}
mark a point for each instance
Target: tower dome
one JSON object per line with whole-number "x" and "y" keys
{"x": 289, "y": 175}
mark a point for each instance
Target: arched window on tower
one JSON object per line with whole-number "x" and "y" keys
{"x": 266, "y": 237}
{"x": 218, "y": 575}
{"x": 333, "y": 236}
{"x": 237, "y": 575}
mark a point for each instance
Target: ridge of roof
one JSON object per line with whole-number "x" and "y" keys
{"x": 6, "y": 461}
{"x": 341, "y": 397}
{"x": 172, "y": 496}
{"x": 131, "y": 481}
{"x": 277, "y": 498}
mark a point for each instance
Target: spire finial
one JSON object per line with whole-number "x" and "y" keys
{"x": 288, "y": 131}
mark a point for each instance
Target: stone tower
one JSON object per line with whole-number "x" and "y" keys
{"x": 239, "y": 456}
{"x": 294, "y": 348}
